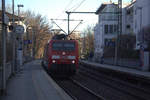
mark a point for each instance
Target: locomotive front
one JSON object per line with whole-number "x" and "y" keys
{"x": 63, "y": 57}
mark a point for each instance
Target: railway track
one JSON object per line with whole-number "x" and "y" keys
{"x": 78, "y": 91}
{"x": 123, "y": 87}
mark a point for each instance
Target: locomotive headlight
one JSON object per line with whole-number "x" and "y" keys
{"x": 55, "y": 57}
{"x": 53, "y": 61}
{"x": 71, "y": 57}
{"x": 73, "y": 61}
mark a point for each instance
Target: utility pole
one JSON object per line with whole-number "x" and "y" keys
{"x": 76, "y": 12}
{"x": 78, "y": 24}
{"x": 3, "y": 47}
{"x": 14, "y": 39}
{"x": 68, "y": 21}
{"x": 119, "y": 30}
{"x": 120, "y": 16}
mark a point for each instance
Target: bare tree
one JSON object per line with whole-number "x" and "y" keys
{"x": 41, "y": 30}
{"x": 88, "y": 40}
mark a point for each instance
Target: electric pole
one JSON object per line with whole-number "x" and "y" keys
{"x": 117, "y": 46}
{"x": 14, "y": 40}
{"x": 68, "y": 22}
{"x": 78, "y": 24}
{"x": 76, "y": 12}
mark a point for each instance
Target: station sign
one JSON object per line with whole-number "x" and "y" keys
{"x": 27, "y": 42}
{"x": 19, "y": 29}
{"x": 6, "y": 19}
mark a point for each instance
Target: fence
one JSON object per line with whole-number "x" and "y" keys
{"x": 131, "y": 63}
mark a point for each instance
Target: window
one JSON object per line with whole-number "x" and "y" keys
{"x": 109, "y": 43}
{"x": 106, "y": 29}
{"x": 65, "y": 46}
{"x": 106, "y": 42}
{"x": 128, "y": 26}
{"x": 128, "y": 12}
{"x": 115, "y": 28}
{"x": 110, "y": 28}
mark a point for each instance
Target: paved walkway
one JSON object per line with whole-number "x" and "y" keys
{"x": 136, "y": 72}
{"x": 33, "y": 83}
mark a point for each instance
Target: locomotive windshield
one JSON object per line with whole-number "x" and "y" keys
{"x": 65, "y": 46}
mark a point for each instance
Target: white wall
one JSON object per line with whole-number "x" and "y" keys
{"x": 142, "y": 17}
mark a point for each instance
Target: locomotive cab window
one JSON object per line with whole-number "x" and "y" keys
{"x": 66, "y": 46}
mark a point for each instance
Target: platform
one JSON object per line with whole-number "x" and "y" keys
{"x": 33, "y": 83}
{"x": 135, "y": 72}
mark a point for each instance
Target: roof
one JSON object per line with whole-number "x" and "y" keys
{"x": 10, "y": 16}
{"x": 99, "y": 10}
{"x": 131, "y": 4}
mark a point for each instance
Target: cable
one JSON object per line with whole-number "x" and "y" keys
{"x": 68, "y": 5}
{"x": 73, "y": 6}
{"x": 79, "y": 5}
{"x": 65, "y": 8}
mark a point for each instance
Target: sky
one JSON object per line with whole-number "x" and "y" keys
{"x": 55, "y": 9}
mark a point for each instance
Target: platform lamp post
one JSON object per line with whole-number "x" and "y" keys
{"x": 14, "y": 39}
{"x": 19, "y": 5}
{"x": 33, "y": 42}
{"x": 20, "y": 43}
{"x": 27, "y": 37}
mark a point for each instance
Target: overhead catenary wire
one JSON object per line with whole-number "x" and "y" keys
{"x": 69, "y": 4}
{"x": 65, "y": 8}
{"x": 79, "y": 5}
{"x": 74, "y": 6}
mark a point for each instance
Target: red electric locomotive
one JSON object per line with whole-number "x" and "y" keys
{"x": 61, "y": 57}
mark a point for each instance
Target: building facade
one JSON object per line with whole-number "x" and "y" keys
{"x": 135, "y": 16}
{"x": 105, "y": 31}
{"x": 128, "y": 19}
{"x": 142, "y": 18}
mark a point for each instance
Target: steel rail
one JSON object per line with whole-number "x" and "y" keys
{"x": 87, "y": 89}
{"x": 93, "y": 76}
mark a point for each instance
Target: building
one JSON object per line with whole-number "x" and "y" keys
{"x": 10, "y": 17}
{"x": 105, "y": 31}
{"x": 128, "y": 18}
{"x": 142, "y": 18}
{"x": 135, "y": 16}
